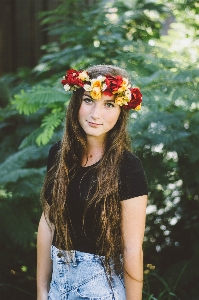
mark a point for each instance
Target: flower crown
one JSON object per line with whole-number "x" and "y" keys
{"x": 126, "y": 96}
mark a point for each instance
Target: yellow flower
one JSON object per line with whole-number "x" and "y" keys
{"x": 138, "y": 107}
{"x": 96, "y": 93}
{"x": 83, "y": 76}
{"x": 96, "y": 88}
{"x": 127, "y": 95}
{"x": 150, "y": 266}
{"x": 120, "y": 100}
{"x": 124, "y": 86}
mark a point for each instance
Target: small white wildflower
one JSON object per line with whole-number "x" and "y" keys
{"x": 67, "y": 87}
{"x": 83, "y": 76}
{"x": 101, "y": 78}
{"x": 104, "y": 86}
{"x": 87, "y": 87}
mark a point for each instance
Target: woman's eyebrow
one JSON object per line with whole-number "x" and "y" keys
{"x": 106, "y": 100}
{"x": 88, "y": 95}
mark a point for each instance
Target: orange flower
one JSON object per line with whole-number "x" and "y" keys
{"x": 121, "y": 100}
{"x": 138, "y": 107}
{"x": 126, "y": 96}
{"x": 124, "y": 86}
{"x": 96, "y": 87}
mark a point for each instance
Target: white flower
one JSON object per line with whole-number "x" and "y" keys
{"x": 87, "y": 87}
{"x": 67, "y": 87}
{"x": 104, "y": 86}
{"x": 101, "y": 78}
{"x": 125, "y": 82}
{"x": 83, "y": 76}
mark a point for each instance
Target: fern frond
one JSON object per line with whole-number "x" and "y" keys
{"x": 15, "y": 175}
{"x": 31, "y": 138}
{"x": 49, "y": 124}
{"x": 19, "y": 160}
{"x": 4, "y": 193}
{"x": 39, "y": 97}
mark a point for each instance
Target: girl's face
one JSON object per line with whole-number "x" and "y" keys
{"x": 97, "y": 117}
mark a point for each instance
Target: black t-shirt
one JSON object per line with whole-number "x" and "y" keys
{"x": 132, "y": 183}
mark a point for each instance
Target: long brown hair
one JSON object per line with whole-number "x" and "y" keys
{"x": 106, "y": 199}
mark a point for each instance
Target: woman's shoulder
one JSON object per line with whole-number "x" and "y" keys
{"x": 55, "y": 147}
{"x": 52, "y": 154}
{"x": 133, "y": 181}
{"x": 130, "y": 160}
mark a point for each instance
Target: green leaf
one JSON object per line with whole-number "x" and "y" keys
{"x": 39, "y": 97}
{"x": 49, "y": 124}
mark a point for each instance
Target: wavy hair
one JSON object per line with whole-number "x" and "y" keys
{"x": 105, "y": 199}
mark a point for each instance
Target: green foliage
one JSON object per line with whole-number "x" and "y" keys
{"x": 20, "y": 180}
{"x": 21, "y": 177}
{"x": 164, "y": 288}
{"x": 50, "y": 123}
{"x": 51, "y": 104}
{"x": 39, "y": 97}
{"x": 102, "y": 31}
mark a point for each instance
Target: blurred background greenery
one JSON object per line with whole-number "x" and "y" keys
{"x": 157, "y": 42}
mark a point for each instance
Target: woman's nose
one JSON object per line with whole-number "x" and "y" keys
{"x": 96, "y": 111}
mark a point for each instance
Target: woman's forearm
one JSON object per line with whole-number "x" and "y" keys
{"x": 44, "y": 262}
{"x": 133, "y": 275}
{"x": 133, "y": 226}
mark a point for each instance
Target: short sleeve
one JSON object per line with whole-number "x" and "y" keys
{"x": 132, "y": 181}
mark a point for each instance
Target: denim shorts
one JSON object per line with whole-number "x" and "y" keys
{"x": 82, "y": 276}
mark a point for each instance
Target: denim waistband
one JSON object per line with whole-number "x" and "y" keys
{"x": 74, "y": 255}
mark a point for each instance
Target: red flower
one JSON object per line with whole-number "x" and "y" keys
{"x": 72, "y": 79}
{"x": 136, "y": 99}
{"x": 113, "y": 84}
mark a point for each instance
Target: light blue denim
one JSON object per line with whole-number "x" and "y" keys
{"x": 82, "y": 275}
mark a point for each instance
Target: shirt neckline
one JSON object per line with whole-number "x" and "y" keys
{"x": 93, "y": 165}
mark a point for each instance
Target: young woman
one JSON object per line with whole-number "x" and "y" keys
{"x": 94, "y": 197}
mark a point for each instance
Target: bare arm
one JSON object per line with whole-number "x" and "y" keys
{"x": 44, "y": 262}
{"x": 133, "y": 226}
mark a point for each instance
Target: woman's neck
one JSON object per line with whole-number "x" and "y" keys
{"x": 95, "y": 150}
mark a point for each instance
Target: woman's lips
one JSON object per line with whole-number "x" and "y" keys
{"x": 93, "y": 124}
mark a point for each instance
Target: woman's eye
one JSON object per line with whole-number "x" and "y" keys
{"x": 88, "y": 100}
{"x": 109, "y": 104}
